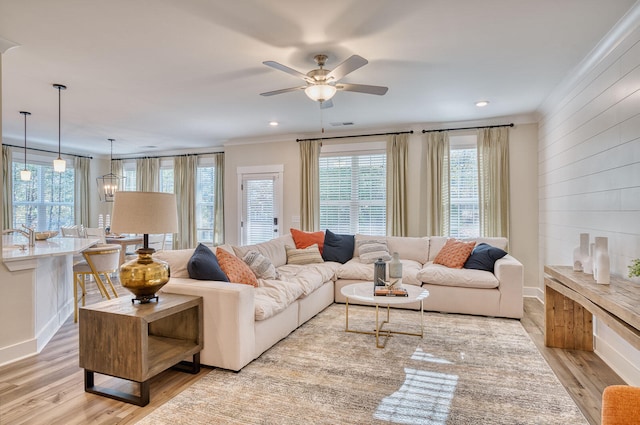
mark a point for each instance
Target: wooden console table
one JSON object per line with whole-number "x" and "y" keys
{"x": 138, "y": 341}
{"x": 573, "y": 298}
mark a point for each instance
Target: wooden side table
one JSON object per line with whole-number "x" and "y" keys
{"x": 138, "y": 341}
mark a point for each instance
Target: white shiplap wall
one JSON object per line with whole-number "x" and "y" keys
{"x": 589, "y": 168}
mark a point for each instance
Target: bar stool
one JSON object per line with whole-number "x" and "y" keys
{"x": 99, "y": 260}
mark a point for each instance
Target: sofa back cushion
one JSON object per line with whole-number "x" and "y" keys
{"x": 273, "y": 250}
{"x": 177, "y": 259}
{"x": 409, "y": 248}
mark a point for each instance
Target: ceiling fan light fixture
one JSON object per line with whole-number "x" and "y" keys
{"x": 320, "y": 92}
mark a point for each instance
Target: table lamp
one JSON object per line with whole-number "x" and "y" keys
{"x": 144, "y": 213}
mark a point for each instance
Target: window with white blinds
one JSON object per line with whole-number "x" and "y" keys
{"x": 353, "y": 193}
{"x": 464, "y": 215}
{"x": 205, "y": 197}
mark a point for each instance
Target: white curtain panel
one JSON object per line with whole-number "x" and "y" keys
{"x": 493, "y": 181}
{"x": 310, "y": 185}
{"x": 7, "y": 192}
{"x": 218, "y": 207}
{"x": 435, "y": 160}
{"x": 397, "y": 158}
{"x": 147, "y": 174}
{"x": 184, "y": 180}
{"x": 81, "y": 190}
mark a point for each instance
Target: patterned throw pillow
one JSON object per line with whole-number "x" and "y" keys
{"x": 454, "y": 253}
{"x": 305, "y": 239}
{"x": 236, "y": 270}
{"x": 261, "y": 266}
{"x": 370, "y": 250}
{"x": 308, "y": 255}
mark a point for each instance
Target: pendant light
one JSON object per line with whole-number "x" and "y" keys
{"x": 109, "y": 184}
{"x": 25, "y": 175}
{"x": 59, "y": 164}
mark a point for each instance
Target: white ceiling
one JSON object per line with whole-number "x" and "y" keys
{"x": 186, "y": 74}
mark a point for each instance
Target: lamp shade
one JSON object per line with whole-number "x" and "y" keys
{"x": 144, "y": 212}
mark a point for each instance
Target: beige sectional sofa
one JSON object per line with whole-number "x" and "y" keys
{"x": 241, "y": 321}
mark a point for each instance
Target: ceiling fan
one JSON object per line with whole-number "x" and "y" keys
{"x": 323, "y": 83}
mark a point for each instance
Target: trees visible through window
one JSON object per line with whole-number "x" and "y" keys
{"x": 353, "y": 193}
{"x": 46, "y": 202}
{"x": 464, "y": 217}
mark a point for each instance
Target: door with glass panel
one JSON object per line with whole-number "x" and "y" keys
{"x": 261, "y": 206}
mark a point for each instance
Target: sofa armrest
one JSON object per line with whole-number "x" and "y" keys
{"x": 229, "y": 317}
{"x": 510, "y": 274}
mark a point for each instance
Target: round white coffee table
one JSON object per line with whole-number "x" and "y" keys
{"x": 364, "y": 292}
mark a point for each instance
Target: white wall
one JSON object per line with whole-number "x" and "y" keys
{"x": 589, "y": 168}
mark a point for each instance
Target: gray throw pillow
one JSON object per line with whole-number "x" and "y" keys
{"x": 260, "y": 265}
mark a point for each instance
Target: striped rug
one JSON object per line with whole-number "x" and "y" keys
{"x": 466, "y": 370}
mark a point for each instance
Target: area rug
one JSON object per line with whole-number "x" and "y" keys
{"x": 466, "y": 370}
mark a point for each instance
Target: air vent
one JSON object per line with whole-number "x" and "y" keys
{"x": 340, "y": 124}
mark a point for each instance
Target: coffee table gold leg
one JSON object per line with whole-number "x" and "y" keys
{"x": 346, "y": 327}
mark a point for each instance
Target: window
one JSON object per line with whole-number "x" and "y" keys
{"x": 464, "y": 215}
{"x": 46, "y": 202}
{"x": 205, "y": 197}
{"x": 353, "y": 193}
{"x": 166, "y": 177}
{"x": 129, "y": 171}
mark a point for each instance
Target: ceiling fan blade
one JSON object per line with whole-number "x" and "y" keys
{"x": 291, "y": 71}
{"x": 351, "y": 64}
{"x": 326, "y": 104}
{"x": 271, "y": 93}
{"x": 363, "y": 88}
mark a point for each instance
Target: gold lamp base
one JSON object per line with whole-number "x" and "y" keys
{"x": 144, "y": 276}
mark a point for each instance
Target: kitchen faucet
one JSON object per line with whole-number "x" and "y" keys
{"x": 29, "y": 234}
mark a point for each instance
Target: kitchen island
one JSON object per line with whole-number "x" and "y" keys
{"x": 36, "y": 292}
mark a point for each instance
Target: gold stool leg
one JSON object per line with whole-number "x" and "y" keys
{"x": 113, "y": 289}
{"x": 75, "y": 297}
{"x": 101, "y": 286}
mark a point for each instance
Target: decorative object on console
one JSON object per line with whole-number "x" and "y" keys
{"x": 379, "y": 273}
{"x": 395, "y": 272}
{"x": 109, "y": 184}
{"x": 601, "y": 261}
{"x": 587, "y": 267}
{"x": 145, "y": 213}
{"x": 25, "y": 175}
{"x": 634, "y": 268}
{"x": 59, "y": 164}
{"x": 581, "y": 252}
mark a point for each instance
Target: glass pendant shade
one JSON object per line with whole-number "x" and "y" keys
{"x": 110, "y": 183}
{"x": 320, "y": 92}
{"x": 25, "y": 175}
{"x": 59, "y": 164}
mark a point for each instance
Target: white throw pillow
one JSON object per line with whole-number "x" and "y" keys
{"x": 260, "y": 265}
{"x": 371, "y": 249}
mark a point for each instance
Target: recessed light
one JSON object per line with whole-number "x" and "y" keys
{"x": 482, "y": 103}
{"x": 273, "y": 123}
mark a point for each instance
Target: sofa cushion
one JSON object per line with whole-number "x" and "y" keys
{"x": 273, "y": 296}
{"x": 338, "y": 248}
{"x": 355, "y": 269}
{"x": 236, "y": 270}
{"x": 483, "y": 257}
{"x": 370, "y": 250}
{"x": 273, "y": 250}
{"x": 437, "y": 274}
{"x": 203, "y": 265}
{"x": 308, "y": 277}
{"x": 308, "y": 255}
{"x": 305, "y": 239}
{"x": 409, "y": 248}
{"x": 260, "y": 265}
{"x": 177, "y": 259}
{"x": 454, "y": 253}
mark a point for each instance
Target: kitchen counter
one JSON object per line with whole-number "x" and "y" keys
{"x": 36, "y": 292}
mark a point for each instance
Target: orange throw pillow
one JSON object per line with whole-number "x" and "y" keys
{"x": 454, "y": 253}
{"x": 306, "y": 239}
{"x": 236, "y": 270}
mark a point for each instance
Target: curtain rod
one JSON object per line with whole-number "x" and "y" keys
{"x": 44, "y": 150}
{"x": 468, "y": 128}
{"x": 357, "y": 135}
{"x": 169, "y": 156}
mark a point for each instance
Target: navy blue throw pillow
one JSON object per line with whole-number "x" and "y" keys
{"x": 203, "y": 265}
{"x": 484, "y": 257}
{"x": 337, "y": 248}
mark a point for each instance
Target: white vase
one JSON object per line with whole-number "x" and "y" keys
{"x": 602, "y": 263}
{"x": 395, "y": 271}
{"x": 581, "y": 252}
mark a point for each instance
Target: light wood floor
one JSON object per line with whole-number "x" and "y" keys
{"x": 49, "y": 389}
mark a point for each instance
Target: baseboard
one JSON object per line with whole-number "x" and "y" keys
{"x": 533, "y": 292}
{"x": 55, "y": 323}
{"x": 17, "y": 351}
